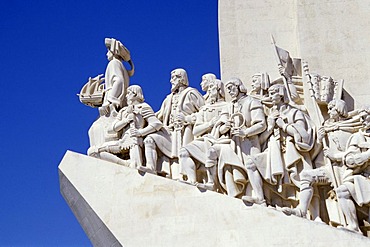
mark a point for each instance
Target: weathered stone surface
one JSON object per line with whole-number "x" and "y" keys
{"x": 94, "y": 228}
{"x": 116, "y": 204}
{"x": 331, "y": 35}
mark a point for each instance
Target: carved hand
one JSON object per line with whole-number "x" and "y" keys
{"x": 135, "y": 132}
{"x": 360, "y": 159}
{"x": 270, "y": 122}
{"x": 229, "y": 124}
{"x": 280, "y": 122}
{"x": 104, "y": 110}
{"x": 212, "y": 122}
{"x": 328, "y": 154}
{"x": 249, "y": 164}
{"x": 282, "y": 71}
{"x": 321, "y": 133}
{"x": 226, "y": 126}
{"x": 180, "y": 117}
{"x": 236, "y": 131}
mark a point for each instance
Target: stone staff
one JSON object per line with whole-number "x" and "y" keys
{"x": 278, "y": 60}
{"x": 135, "y": 147}
{"x": 319, "y": 118}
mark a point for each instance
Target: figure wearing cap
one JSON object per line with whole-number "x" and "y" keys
{"x": 260, "y": 85}
{"x": 116, "y": 75}
{"x": 115, "y": 87}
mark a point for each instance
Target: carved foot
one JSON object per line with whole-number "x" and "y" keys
{"x": 147, "y": 170}
{"x": 123, "y": 162}
{"x": 254, "y": 200}
{"x": 292, "y": 211}
{"x": 206, "y": 186}
{"x": 187, "y": 182}
{"x": 347, "y": 228}
{"x": 319, "y": 220}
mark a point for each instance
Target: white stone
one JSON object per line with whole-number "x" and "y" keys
{"x": 331, "y": 35}
{"x": 117, "y": 205}
{"x": 261, "y": 147}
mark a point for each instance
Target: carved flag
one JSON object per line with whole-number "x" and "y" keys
{"x": 285, "y": 60}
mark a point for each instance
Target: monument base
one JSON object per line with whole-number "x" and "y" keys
{"x": 120, "y": 206}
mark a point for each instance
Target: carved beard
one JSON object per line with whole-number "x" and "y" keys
{"x": 234, "y": 98}
{"x": 212, "y": 99}
{"x": 130, "y": 101}
{"x": 174, "y": 88}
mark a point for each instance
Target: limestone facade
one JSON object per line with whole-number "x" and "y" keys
{"x": 332, "y": 36}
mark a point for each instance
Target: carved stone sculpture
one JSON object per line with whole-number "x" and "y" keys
{"x": 115, "y": 86}
{"x": 132, "y": 124}
{"x": 270, "y": 147}
{"x": 260, "y": 84}
{"x": 356, "y": 178}
{"x": 193, "y": 155}
{"x": 240, "y": 124}
{"x": 177, "y": 114}
{"x": 92, "y": 93}
{"x": 336, "y": 130}
{"x": 206, "y": 79}
{"x": 289, "y": 138}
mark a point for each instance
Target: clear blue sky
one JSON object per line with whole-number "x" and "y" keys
{"x": 48, "y": 51}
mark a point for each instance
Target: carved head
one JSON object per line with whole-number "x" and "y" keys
{"x": 215, "y": 90}
{"x": 327, "y": 88}
{"x": 206, "y": 79}
{"x": 109, "y": 55}
{"x": 278, "y": 94}
{"x": 337, "y": 109}
{"x": 234, "y": 87}
{"x": 134, "y": 93}
{"x": 179, "y": 78}
{"x": 365, "y": 117}
{"x": 117, "y": 49}
{"x": 260, "y": 81}
{"x": 315, "y": 80}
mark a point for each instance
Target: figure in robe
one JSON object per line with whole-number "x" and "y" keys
{"x": 337, "y": 129}
{"x": 289, "y": 138}
{"x": 115, "y": 88}
{"x": 240, "y": 123}
{"x": 355, "y": 187}
{"x": 177, "y": 114}
{"x": 133, "y": 123}
{"x": 193, "y": 155}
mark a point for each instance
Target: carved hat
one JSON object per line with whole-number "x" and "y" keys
{"x": 281, "y": 90}
{"x": 119, "y": 50}
{"x": 265, "y": 80}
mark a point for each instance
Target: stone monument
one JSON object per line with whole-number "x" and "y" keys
{"x": 293, "y": 153}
